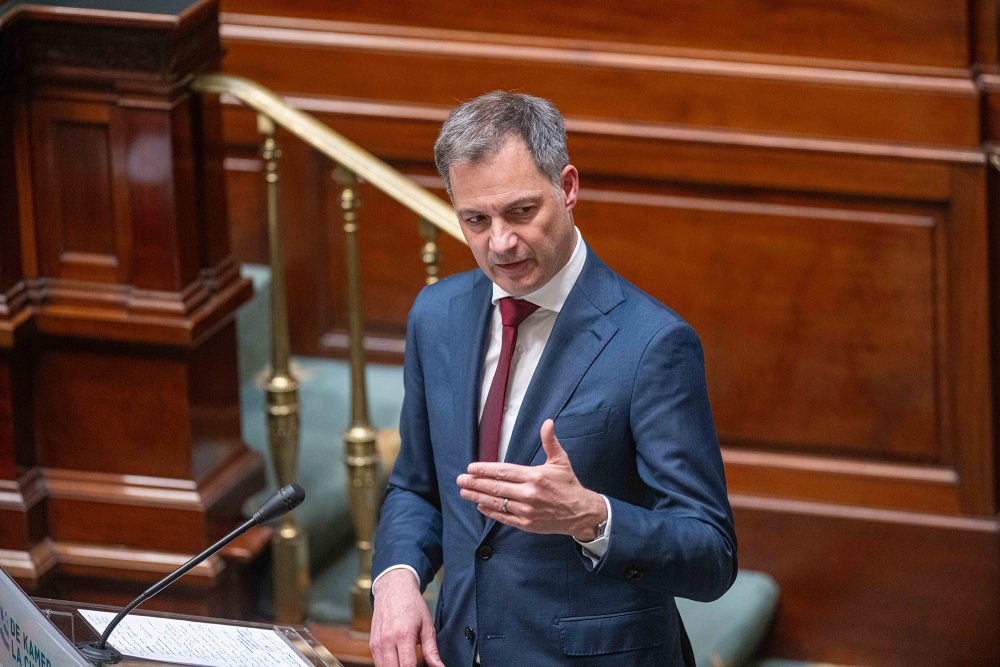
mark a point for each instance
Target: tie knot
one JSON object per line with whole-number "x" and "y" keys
{"x": 513, "y": 311}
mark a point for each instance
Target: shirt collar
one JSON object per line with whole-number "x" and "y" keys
{"x": 553, "y": 294}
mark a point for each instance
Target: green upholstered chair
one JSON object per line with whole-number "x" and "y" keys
{"x": 729, "y": 630}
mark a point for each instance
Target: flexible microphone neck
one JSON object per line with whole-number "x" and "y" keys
{"x": 283, "y": 500}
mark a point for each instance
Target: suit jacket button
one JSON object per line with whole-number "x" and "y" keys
{"x": 633, "y": 573}
{"x": 484, "y": 552}
{"x": 469, "y": 634}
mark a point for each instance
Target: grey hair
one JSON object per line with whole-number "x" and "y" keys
{"x": 478, "y": 129}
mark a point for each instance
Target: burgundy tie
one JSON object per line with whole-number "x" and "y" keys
{"x": 512, "y": 313}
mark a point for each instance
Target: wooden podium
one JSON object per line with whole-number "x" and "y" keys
{"x": 120, "y": 447}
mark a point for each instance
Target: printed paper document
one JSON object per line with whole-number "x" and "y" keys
{"x": 196, "y": 643}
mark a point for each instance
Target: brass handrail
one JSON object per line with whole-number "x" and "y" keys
{"x": 336, "y": 147}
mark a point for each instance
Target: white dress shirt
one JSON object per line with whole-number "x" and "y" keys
{"x": 532, "y": 335}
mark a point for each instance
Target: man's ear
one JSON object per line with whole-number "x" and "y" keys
{"x": 570, "y": 185}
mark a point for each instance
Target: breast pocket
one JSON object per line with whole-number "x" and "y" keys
{"x": 581, "y": 425}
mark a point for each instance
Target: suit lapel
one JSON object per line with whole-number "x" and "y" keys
{"x": 580, "y": 333}
{"x": 469, "y": 319}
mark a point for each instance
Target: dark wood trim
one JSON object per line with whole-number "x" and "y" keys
{"x": 969, "y": 340}
{"x": 26, "y": 11}
{"x": 688, "y": 29}
{"x": 87, "y": 311}
{"x": 457, "y": 44}
{"x": 838, "y": 480}
{"x": 668, "y": 153}
{"x": 984, "y": 31}
{"x": 900, "y": 585}
{"x": 943, "y": 115}
{"x": 31, "y": 567}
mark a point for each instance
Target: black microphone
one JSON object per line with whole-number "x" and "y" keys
{"x": 283, "y": 501}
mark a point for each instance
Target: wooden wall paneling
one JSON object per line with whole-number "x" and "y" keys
{"x": 116, "y": 576}
{"x": 983, "y": 33}
{"x": 989, "y": 82}
{"x": 847, "y": 292}
{"x": 404, "y": 134}
{"x": 923, "y": 33}
{"x": 247, "y": 207}
{"x": 24, "y": 550}
{"x": 244, "y": 182}
{"x": 208, "y": 154}
{"x": 986, "y": 59}
{"x": 83, "y": 228}
{"x": 305, "y": 223}
{"x": 851, "y": 481}
{"x": 170, "y": 450}
{"x": 214, "y": 405}
{"x": 11, "y": 273}
{"x": 162, "y": 215}
{"x": 938, "y": 110}
{"x": 871, "y": 587}
{"x": 747, "y": 167}
{"x": 809, "y": 182}
{"x": 968, "y": 363}
{"x": 993, "y": 210}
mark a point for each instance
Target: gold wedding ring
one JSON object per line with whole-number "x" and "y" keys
{"x": 505, "y": 505}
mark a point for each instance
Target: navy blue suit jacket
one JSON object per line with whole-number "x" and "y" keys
{"x": 623, "y": 377}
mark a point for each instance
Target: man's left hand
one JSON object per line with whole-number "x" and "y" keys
{"x": 539, "y": 499}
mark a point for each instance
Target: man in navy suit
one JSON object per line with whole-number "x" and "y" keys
{"x": 558, "y": 453}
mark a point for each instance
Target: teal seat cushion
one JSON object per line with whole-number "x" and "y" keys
{"x": 730, "y": 629}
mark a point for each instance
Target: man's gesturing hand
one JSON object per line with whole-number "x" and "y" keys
{"x": 539, "y": 499}
{"x": 400, "y": 622}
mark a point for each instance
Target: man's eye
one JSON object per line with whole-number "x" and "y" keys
{"x": 522, "y": 210}
{"x": 475, "y": 220}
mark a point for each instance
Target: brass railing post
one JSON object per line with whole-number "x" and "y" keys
{"x": 430, "y": 254}
{"x": 289, "y": 546}
{"x": 359, "y": 442}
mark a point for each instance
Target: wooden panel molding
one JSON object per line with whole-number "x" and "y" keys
{"x": 875, "y": 587}
{"x": 137, "y": 50}
{"x": 921, "y": 34}
{"x": 691, "y": 92}
{"x": 83, "y": 231}
{"x": 847, "y": 481}
{"x": 404, "y": 135}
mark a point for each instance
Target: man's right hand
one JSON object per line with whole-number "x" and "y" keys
{"x": 400, "y": 622}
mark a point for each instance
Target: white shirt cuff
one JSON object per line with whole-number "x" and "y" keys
{"x": 596, "y": 549}
{"x": 398, "y": 567}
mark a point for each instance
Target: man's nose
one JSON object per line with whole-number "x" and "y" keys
{"x": 502, "y": 238}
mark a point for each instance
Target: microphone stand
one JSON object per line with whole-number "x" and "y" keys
{"x": 284, "y": 500}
